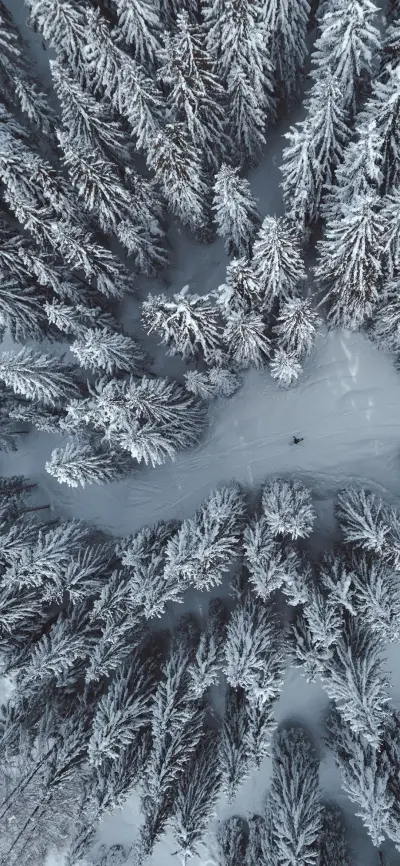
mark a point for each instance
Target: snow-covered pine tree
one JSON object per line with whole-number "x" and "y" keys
{"x": 77, "y": 318}
{"x": 287, "y": 508}
{"x": 391, "y": 219}
{"x": 62, "y": 24}
{"x": 149, "y": 418}
{"x": 333, "y": 844}
{"x": 101, "y": 191}
{"x": 112, "y": 72}
{"x": 214, "y": 382}
{"x": 385, "y": 328}
{"x": 87, "y": 121}
{"x": 237, "y": 39}
{"x": 359, "y": 174}
{"x": 306, "y": 654}
{"x": 364, "y": 776}
{"x": 294, "y": 799}
{"x": 233, "y": 750}
{"x": 38, "y": 376}
{"x": 140, "y": 25}
{"x": 21, "y": 306}
{"x": 254, "y": 656}
{"x": 246, "y": 339}
{"x": 206, "y": 544}
{"x": 383, "y": 109}
{"x": 349, "y": 269}
{"x": 285, "y": 368}
{"x": 391, "y": 762}
{"x": 236, "y": 211}
{"x": 356, "y": 680}
{"x": 108, "y": 351}
{"x": 315, "y": 149}
{"x": 188, "y": 323}
{"x": 231, "y": 842}
{"x": 241, "y": 291}
{"x": 178, "y": 172}
{"x": 363, "y": 519}
{"x": 347, "y": 45}
{"x": 286, "y": 25}
{"x": 17, "y": 86}
{"x": 376, "y": 594}
{"x": 277, "y": 260}
{"x": 207, "y": 663}
{"x": 144, "y": 557}
{"x": 256, "y": 841}
{"x": 176, "y": 731}
{"x": 195, "y": 97}
{"x": 79, "y": 464}
{"x": 271, "y": 563}
{"x": 195, "y": 798}
{"x": 296, "y": 326}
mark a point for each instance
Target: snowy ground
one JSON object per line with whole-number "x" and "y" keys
{"x": 347, "y": 407}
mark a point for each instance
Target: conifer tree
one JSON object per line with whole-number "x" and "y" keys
{"x": 383, "y": 109}
{"x": 391, "y": 221}
{"x": 270, "y": 562}
{"x": 231, "y": 842}
{"x": 315, "y": 149}
{"x": 347, "y": 43}
{"x": 76, "y": 319}
{"x": 360, "y": 173}
{"x": 22, "y": 312}
{"x": 333, "y": 846}
{"x": 286, "y": 25}
{"x": 149, "y": 588}
{"x": 296, "y": 326}
{"x": 195, "y": 96}
{"x": 363, "y": 520}
{"x": 215, "y": 382}
{"x": 277, "y": 261}
{"x": 245, "y": 336}
{"x": 188, "y": 324}
{"x": 207, "y": 663}
{"x": 385, "y": 328}
{"x": 355, "y": 679}
{"x": 285, "y": 367}
{"x": 288, "y": 509}
{"x": 241, "y": 291}
{"x": 349, "y": 268}
{"x": 103, "y": 349}
{"x": 141, "y": 28}
{"x": 246, "y": 117}
{"x": 236, "y": 211}
{"x": 294, "y": 799}
{"x": 206, "y": 544}
{"x": 376, "y": 594}
{"x": 195, "y": 799}
{"x": 233, "y": 751}
{"x": 38, "y": 376}
{"x": 78, "y": 464}
{"x": 253, "y": 650}
{"x": 63, "y": 25}
{"x": 149, "y": 418}
{"x": 178, "y": 172}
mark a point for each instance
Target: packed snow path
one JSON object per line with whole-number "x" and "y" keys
{"x": 347, "y": 408}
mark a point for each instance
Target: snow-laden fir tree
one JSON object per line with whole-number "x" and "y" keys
{"x": 256, "y": 841}
{"x": 296, "y": 326}
{"x": 213, "y": 383}
{"x": 176, "y": 731}
{"x": 383, "y": 109}
{"x": 78, "y": 318}
{"x": 315, "y": 149}
{"x": 390, "y": 215}
{"x": 62, "y": 24}
{"x": 149, "y": 418}
{"x": 206, "y": 544}
{"x": 364, "y": 776}
{"x": 287, "y": 508}
{"x": 22, "y": 312}
{"x": 207, "y": 663}
{"x": 254, "y": 657}
{"x": 349, "y": 268}
{"x": 285, "y": 368}
{"x": 270, "y": 562}
{"x": 286, "y": 26}
{"x": 385, "y": 329}
{"x": 233, "y": 750}
{"x": 231, "y": 842}
{"x": 347, "y": 45}
{"x": 241, "y": 290}
{"x": 333, "y": 844}
{"x": 188, "y": 323}
{"x": 195, "y": 799}
{"x": 294, "y": 799}
{"x": 178, "y": 171}
{"x": 79, "y": 464}
{"x": 100, "y": 349}
{"x": 148, "y": 587}
{"x": 391, "y": 760}
{"x": 18, "y": 87}
{"x": 140, "y": 25}
{"x": 355, "y": 679}
{"x": 195, "y": 97}
{"x": 376, "y": 594}
{"x": 246, "y": 339}
{"x": 359, "y": 174}
{"x": 236, "y": 211}
{"x": 277, "y": 260}
{"x": 363, "y": 519}
{"x": 87, "y": 121}
{"x": 38, "y": 376}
